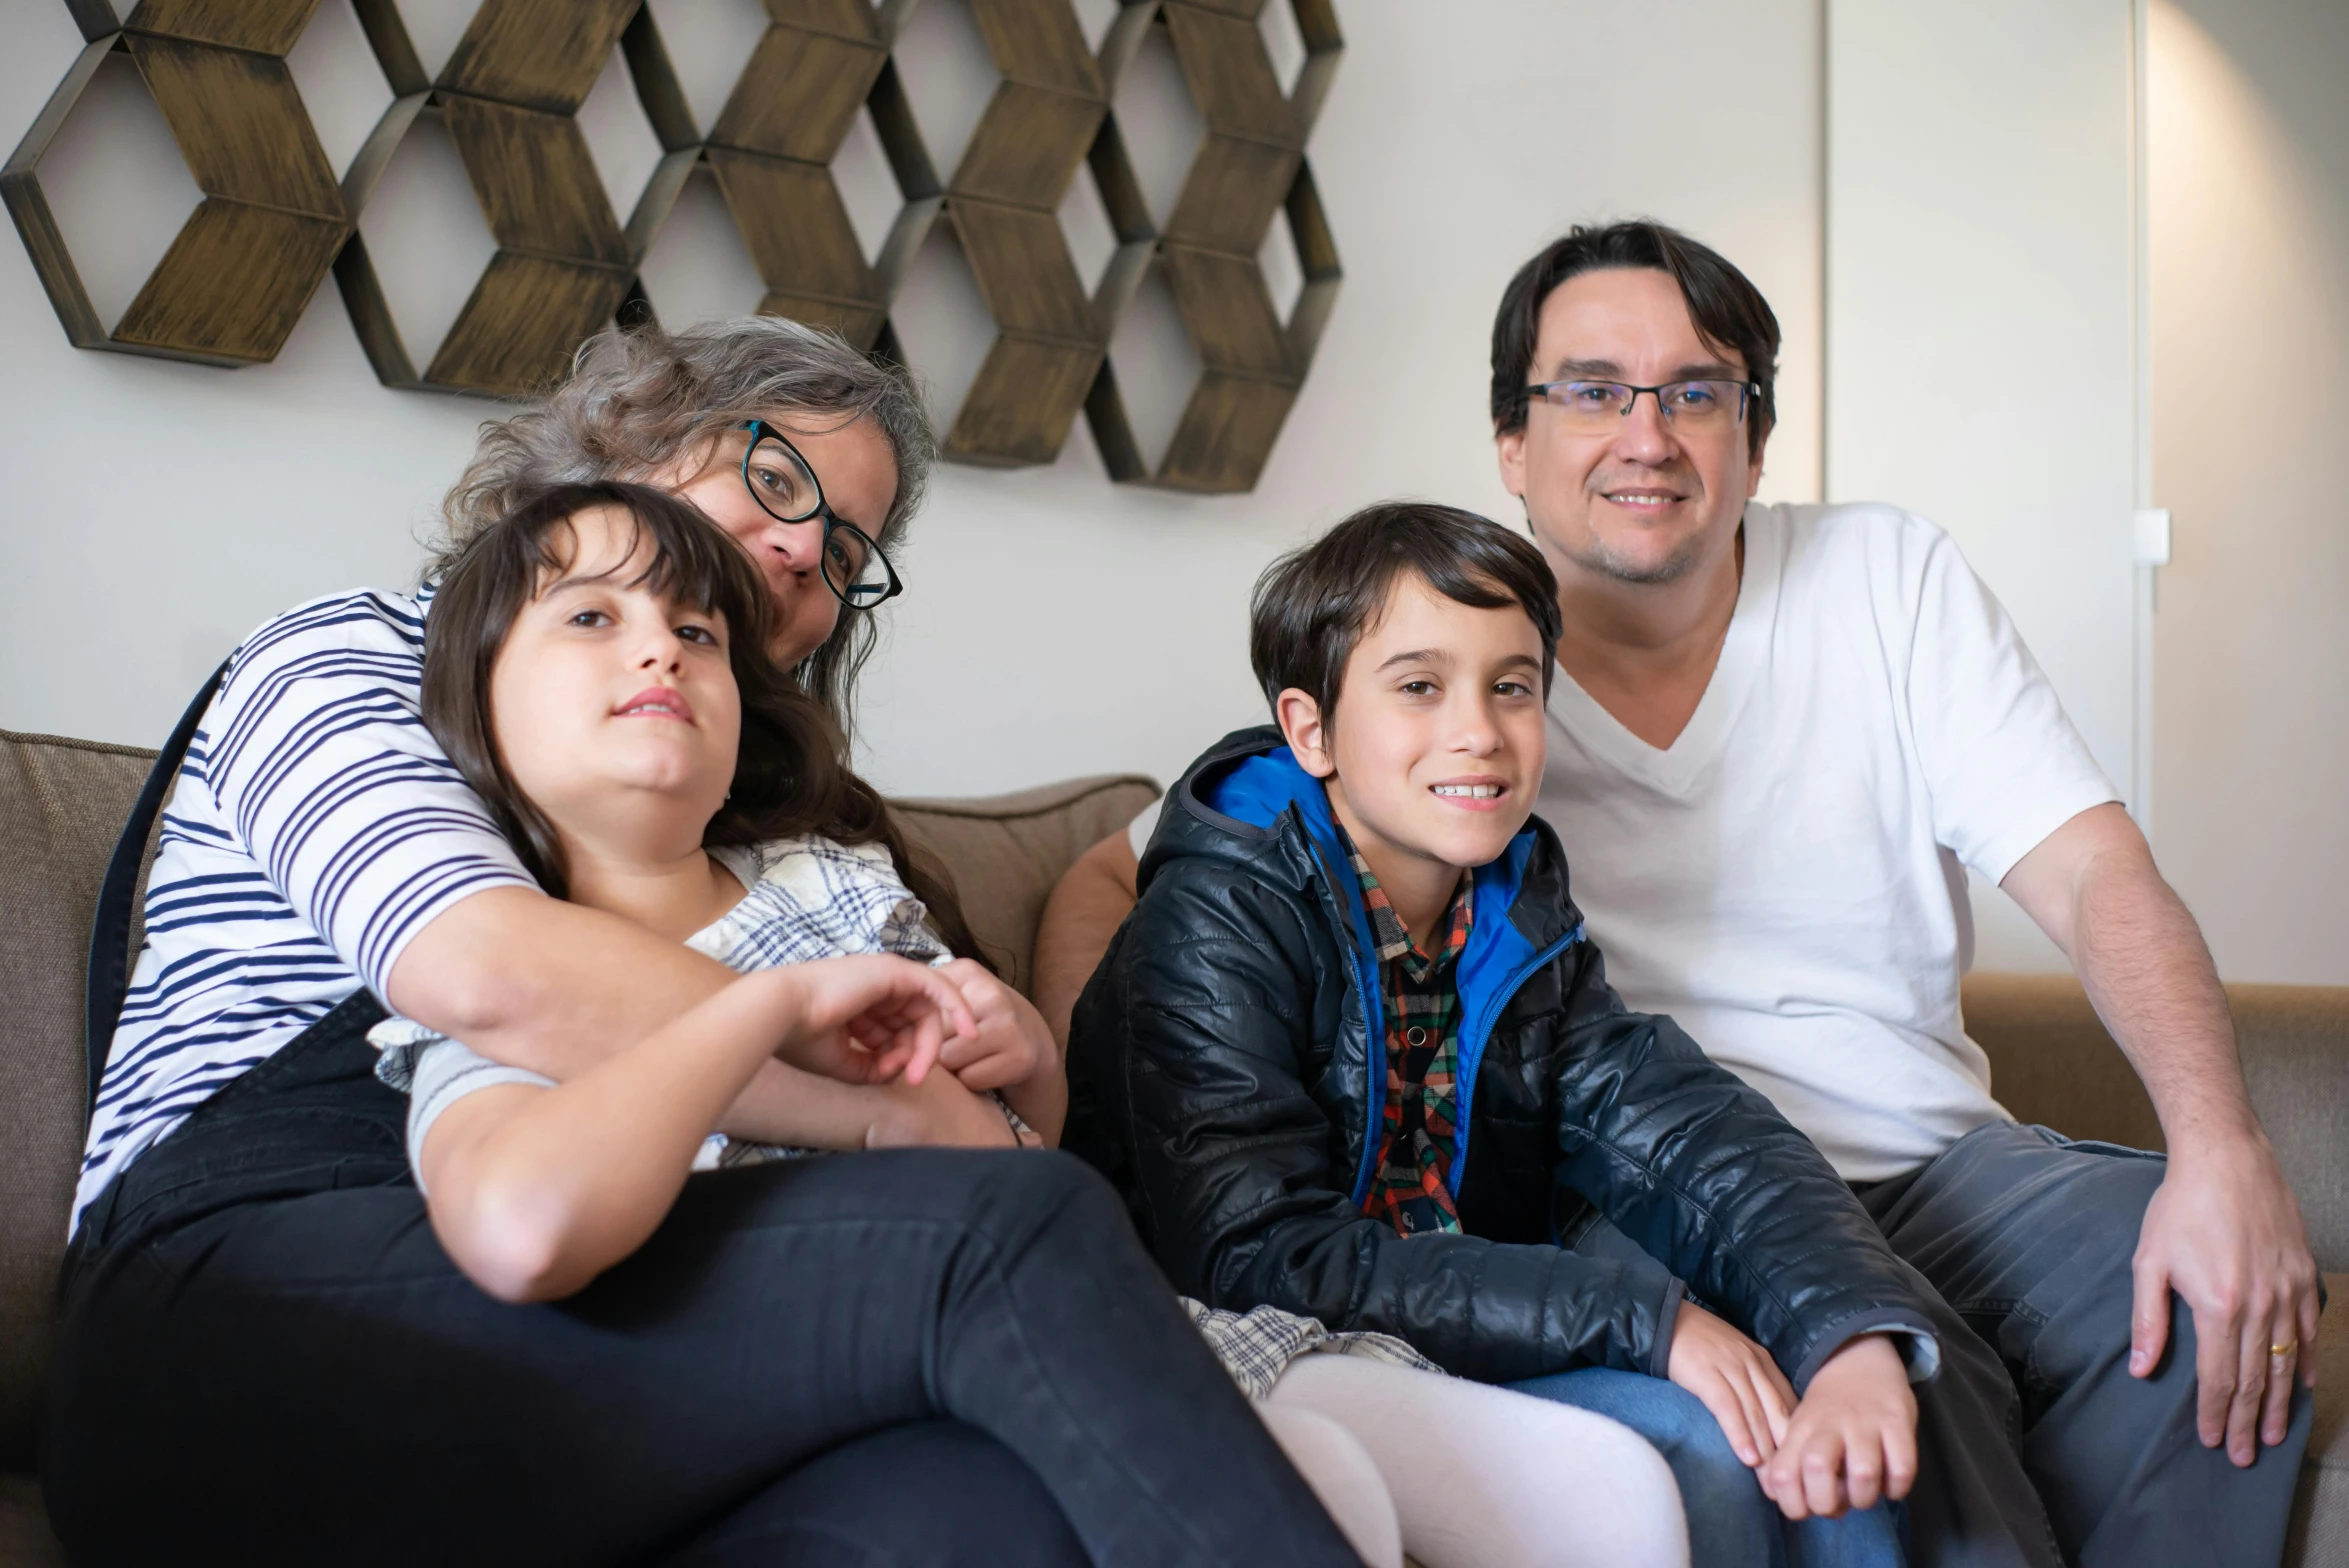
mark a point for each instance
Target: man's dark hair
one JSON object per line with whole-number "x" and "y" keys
{"x": 1312, "y": 605}
{"x": 1728, "y": 310}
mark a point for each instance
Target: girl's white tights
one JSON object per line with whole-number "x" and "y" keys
{"x": 1464, "y": 1475}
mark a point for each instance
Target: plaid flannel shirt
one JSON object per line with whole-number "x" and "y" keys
{"x": 1420, "y": 996}
{"x": 1257, "y": 1346}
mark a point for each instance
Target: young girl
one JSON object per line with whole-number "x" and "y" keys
{"x": 596, "y": 670}
{"x": 649, "y": 762}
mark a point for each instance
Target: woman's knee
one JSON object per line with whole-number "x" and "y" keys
{"x": 1049, "y": 1191}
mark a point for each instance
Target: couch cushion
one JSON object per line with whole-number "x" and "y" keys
{"x": 62, "y": 803}
{"x": 2295, "y": 1041}
{"x": 2320, "y": 1509}
{"x": 2051, "y": 1061}
{"x": 1006, "y": 851}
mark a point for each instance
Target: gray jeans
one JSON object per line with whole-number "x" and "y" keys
{"x": 2028, "y": 1239}
{"x": 2034, "y": 1439}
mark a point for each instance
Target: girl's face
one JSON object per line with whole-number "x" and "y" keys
{"x": 606, "y": 700}
{"x": 858, "y": 472}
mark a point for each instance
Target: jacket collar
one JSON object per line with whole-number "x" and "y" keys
{"x": 1250, "y": 779}
{"x": 1238, "y": 801}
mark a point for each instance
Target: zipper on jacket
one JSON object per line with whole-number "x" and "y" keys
{"x": 1474, "y": 1035}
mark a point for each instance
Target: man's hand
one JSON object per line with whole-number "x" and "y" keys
{"x": 1010, "y": 1045}
{"x": 1853, "y": 1439}
{"x": 1735, "y": 1378}
{"x": 867, "y": 1019}
{"x": 2225, "y": 1233}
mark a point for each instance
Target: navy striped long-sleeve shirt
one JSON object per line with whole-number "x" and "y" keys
{"x": 315, "y": 828}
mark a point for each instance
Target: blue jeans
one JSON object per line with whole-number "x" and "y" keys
{"x": 1730, "y": 1523}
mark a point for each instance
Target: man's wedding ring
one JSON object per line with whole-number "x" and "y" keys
{"x": 2285, "y": 1351}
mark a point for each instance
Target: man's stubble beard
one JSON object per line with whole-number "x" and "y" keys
{"x": 1601, "y": 561}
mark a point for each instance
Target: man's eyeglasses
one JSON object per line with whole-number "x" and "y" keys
{"x": 1592, "y": 408}
{"x": 783, "y": 484}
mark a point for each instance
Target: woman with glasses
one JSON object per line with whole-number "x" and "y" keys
{"x": 265, "y": 1355}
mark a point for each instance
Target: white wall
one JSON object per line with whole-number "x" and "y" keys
{"x": 2249, "y": 132}
{"x": 1980, "y": 350}
{"x": 1055, "y": 623}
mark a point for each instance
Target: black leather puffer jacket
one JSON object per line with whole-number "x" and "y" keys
{"x": 1223, "y": 1076}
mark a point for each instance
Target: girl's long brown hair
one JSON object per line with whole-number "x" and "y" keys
{"x": 791, "y": 775}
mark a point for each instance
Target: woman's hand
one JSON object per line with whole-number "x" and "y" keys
{"x": 1853, "y": 1439}
{"x": 1011, "y": 1044}
{"x": 869, "y": 1019}
{"x": 1736, "y": 1379}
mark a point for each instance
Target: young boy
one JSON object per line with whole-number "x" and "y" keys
{"x": 1353, "y": 1057}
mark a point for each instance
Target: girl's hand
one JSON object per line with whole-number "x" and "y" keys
{"x": 868, "y": 1019}
{"x": 1853, "y": 1439}
{"x": 1736, "y": 1379}
{"x": 1012, "y": 1043}
{"x": 937, "y": 1113}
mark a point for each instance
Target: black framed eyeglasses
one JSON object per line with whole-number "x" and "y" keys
{"x": 1696, "y": 407}
{"x": 786, "y": 489}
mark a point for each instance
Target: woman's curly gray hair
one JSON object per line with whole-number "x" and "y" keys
{"x": 638, "y": 400}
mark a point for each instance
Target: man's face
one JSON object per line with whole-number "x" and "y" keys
{"x": 1644, "y": 502}
{"x": 1438, "y": 745}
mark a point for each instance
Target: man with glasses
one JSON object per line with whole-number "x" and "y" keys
{"x": 1778, "y": 735}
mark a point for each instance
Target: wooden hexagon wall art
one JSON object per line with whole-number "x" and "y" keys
{"x": 274, "y": 220}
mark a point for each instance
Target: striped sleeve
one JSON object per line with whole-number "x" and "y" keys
{"x": 321, "y": 762}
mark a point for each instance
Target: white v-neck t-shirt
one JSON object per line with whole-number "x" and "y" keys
{"x": 1785, "y": 880}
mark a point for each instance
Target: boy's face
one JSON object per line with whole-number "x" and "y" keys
{"x": 1437, "y": 747}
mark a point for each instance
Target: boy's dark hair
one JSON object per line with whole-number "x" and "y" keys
{"x": 1729, "y": 312}
{"x": 1312, "y": 605}
{"x": 791, "y": 773}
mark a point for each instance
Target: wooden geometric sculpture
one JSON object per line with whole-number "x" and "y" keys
{"x": 274, "y": 220}
{"x": 245, "y": 264}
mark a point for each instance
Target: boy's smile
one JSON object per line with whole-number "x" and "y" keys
{"x": 1436, "y": 749}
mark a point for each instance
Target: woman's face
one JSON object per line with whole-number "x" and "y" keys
{"x": 853, "y": 463}
{"x": 616, "y": 710}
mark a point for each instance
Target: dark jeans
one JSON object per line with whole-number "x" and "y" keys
{"x": 2034, "y": 1443}
{"x": 265, "y": 1356}
{"x": 2028, "y": 1240}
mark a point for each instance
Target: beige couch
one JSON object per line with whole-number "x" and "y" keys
{"x": 61, "y": 803}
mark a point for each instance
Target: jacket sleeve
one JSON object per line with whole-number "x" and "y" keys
{"x": 1195, "y": 1036}
{"x": 1704, "y": 1173}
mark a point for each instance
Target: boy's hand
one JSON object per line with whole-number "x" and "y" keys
{"x": 1735, "y": 1378}
{"x": 1011, "y": 1044}
{"x": 868, "y": 1019}
{"x": 1853, "y": 1439}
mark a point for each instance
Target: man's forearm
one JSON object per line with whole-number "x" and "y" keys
{"x": 2094, "y": 888}
{"x": 2149, "y": 974}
